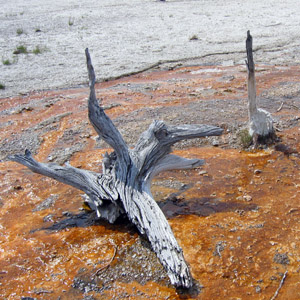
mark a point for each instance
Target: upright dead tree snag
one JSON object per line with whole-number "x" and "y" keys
{"x": 124, "y": 185}
{"x": 260, "y": 121}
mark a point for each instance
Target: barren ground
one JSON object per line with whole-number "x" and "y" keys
{"x": 130, "y": 35}
{"x": 236, "y": 218}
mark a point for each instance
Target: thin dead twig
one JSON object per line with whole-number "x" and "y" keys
{"x": 280, "y": 285}
{"x": 279, "y": 109}
{"x": 108, "y": 264}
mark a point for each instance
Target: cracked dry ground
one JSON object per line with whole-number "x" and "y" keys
{"x": 237, "y": 218}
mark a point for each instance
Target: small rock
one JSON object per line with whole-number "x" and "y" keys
{"x": 202, "y": 172}
{"x": 220, "y": 246}
{"x": 234, "y": 229}
{"x": 215, "y": 143}
{"x": 48, "y": 218}
{"x": 50, "y": 158}
{"x": 227, "y": 176}
{"x": 247, "y": 198}
{"x": 257, "y": 171}
{"x": 66, "y": 213}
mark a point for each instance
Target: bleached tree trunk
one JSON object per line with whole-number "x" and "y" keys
{"x": 124, "y": 185}
{"x": 260, "y": 121}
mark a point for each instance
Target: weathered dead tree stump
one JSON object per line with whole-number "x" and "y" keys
{"x": 260, "y": 121}
{"x": 124, "y": 185}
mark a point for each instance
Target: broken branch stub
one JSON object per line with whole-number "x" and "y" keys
{"x": 260, "y": 121}
{"x": 124, "y": 185}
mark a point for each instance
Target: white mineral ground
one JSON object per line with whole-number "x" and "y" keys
{"x": 126, "y": 36}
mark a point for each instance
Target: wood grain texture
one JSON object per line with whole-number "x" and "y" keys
{"x": 260, "y": 121}
{"x": 124, "y": 185}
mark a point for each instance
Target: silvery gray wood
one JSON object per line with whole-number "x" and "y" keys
{"x": 124, "y": 185}
{"x": 260, "y": 121}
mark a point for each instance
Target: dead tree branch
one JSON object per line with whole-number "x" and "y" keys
{"x": 261, "y": 122}
{"x": 124, "y": 186}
